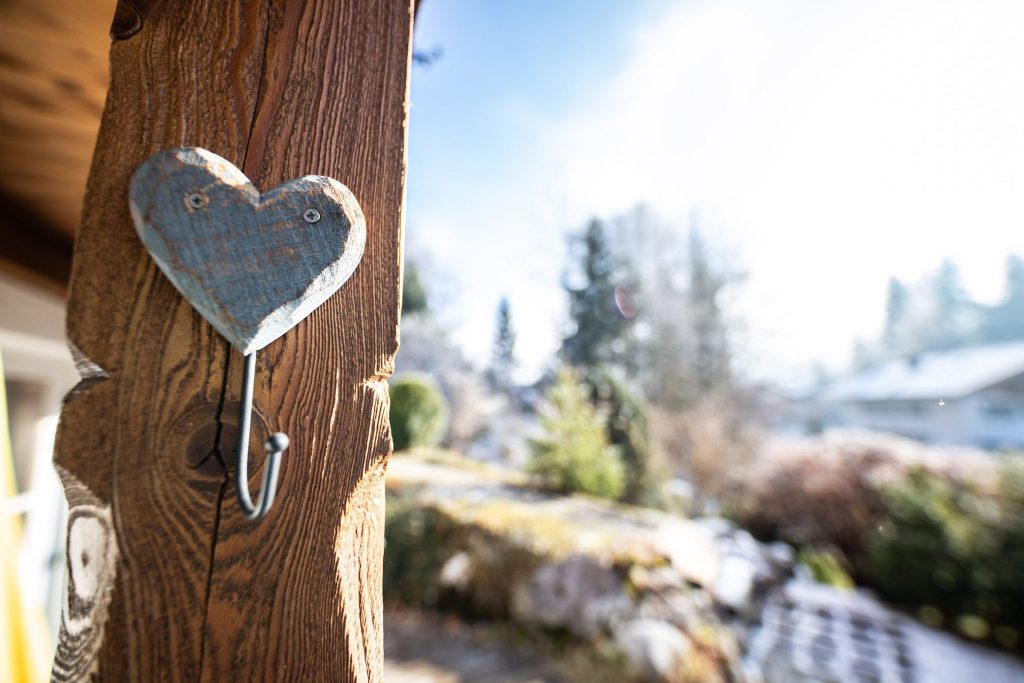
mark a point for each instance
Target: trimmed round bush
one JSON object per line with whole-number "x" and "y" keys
{"x": 419, "y": 412}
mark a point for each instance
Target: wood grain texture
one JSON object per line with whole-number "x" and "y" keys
{"x": 253, "y": 265}
{"x": 90, "y": 575}
{"x": 281, "y": 89}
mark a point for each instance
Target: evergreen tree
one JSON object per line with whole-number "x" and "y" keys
{"x": 596, "y": 290}
{"x": 503, "y": 354}
{"x": 896, "y": 308}
{"x": 950, "y": 324}
{"x": 664, "y": 356}
{"x": 414, "y": 294}
{"x": 936, "y": 314}
{"x": 661, "y": 345}
{"x": 628, "y": 431}
{"x": 680, "y": 345}
{"x": 712, "y": 356}
{"x": 574, "y": 454}
{"x": 1005, "y": 322}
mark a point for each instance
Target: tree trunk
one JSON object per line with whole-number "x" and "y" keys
{"x": 166, "y": 580}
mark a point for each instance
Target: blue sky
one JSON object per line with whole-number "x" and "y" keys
{"x": 826, "y": 146}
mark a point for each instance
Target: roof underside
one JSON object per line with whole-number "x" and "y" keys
{"x": 53, "y": 76}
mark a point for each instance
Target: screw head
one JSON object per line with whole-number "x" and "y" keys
{"x": 311, "y": 215}
{"x": 197, "y": 200}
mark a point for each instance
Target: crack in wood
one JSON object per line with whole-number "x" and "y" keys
{"x": 217, "y": 448}
{"x": 259, "y": 85}
{"x": 209, "y": 574}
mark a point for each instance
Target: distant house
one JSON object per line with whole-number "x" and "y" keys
{"x": 971, "y": 396}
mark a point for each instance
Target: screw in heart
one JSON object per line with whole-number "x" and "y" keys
{"x": 220, "y": 288}
{"x": 197, "y": 200}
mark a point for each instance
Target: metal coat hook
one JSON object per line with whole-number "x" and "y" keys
{"x": 254, "y": 265}
{"x": 276, "y": 445}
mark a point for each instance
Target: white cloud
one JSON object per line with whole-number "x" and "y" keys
{"x": 830, "y": 144}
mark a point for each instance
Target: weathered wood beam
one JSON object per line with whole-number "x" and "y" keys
{"x": 166, "y": 580}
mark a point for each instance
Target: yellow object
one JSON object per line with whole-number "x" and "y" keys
{"x": 24, "y": 645}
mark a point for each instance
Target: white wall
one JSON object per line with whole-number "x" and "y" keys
{"x": 996, "y": 419}
{"x": 944, "y": 421}
{"x": 38, "y": 371}
{"x": 992, "y": 419}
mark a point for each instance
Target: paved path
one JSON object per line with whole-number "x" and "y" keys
{"x": 815, "y": 633}
{"x": 426, "y": 648}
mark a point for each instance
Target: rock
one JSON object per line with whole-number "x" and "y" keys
{"x": 691, "y": 550}
{"x": 656, "y": 579}
{"x": 745, "y": 544}
{"x": 717, "y": 526}
{"x": 457, "y": 571}
{"x": 688, "y": 609}
{"x": 737, "y": 578}
{"x": 713, "y": 554}
{"x": 579, "y": 593}
{"x": 781, "y": 555}
{"x": 603, "y": 613}
{"x": 654, "y": 649}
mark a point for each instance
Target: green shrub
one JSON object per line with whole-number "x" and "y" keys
{"x": 421, "y": 537}
{"x": 419, "y": 413}
{"x": 954, "y": 549}
{"x": 936, "y": 530}
{"x": 628, "y": 430}
{"x": 416, "y": 540}
{"x": 575, "y": 454}
{"x": 825, "y": 567}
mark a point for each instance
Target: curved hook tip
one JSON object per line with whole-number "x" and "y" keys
{"x": 275, "y": 446}
{"x": 277, "y": 443}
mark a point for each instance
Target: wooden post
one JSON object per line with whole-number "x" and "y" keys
{"x": 166, "y": 580}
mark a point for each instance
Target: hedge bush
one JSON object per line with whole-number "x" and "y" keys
{"x": 419, "y": 412}
{"x": 955, "y": 551}
{"x": 814, "y": 494}
{"x": 938, "y": 530}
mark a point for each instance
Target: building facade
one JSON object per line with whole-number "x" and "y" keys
{"x": 972, "y": 396}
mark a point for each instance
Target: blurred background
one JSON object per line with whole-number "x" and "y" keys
{"x": 712, "y": 361}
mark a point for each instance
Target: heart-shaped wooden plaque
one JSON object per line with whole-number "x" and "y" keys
{"x": 253, "y": 265}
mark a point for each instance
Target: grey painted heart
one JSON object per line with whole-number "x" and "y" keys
{"x": 253, "y": 265}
